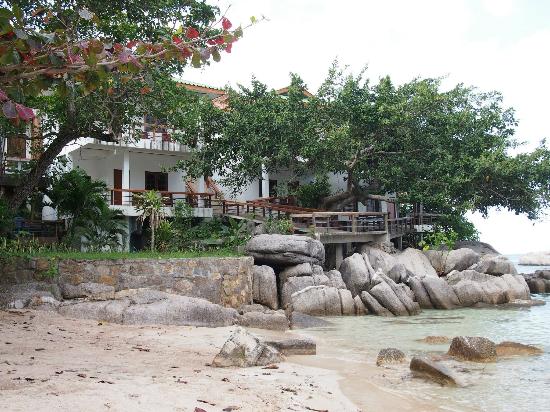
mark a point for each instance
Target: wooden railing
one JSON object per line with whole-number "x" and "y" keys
{"x": 341, "y": 222}
{"x": 258, "y": 208}
{"x": 125, "y": 197}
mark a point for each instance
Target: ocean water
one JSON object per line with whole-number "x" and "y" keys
{"x": 525, "y": 268}
{"x": 509, "y": 385}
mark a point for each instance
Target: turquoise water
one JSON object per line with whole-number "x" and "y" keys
{"x": 516, "y": 384}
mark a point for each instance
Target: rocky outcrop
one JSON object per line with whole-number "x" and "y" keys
{"x": 508, "y": 349}
{"x": 293, "y": 285}
{"x": 379, "y": 259}
{"x": 243, "y": 349}
{"x": 416, "y": 263}
{"x": 445, "y": 261}
{"x": 320, "y": 301}
{"x": 302, "y": 321}
{"x": 442, "y": 296}
{"x": 435, "y": 340}
{"x": 389, "y": 355}
{"x": 373, "y": 306}
{"x": 478, "y": 247}
{"x": 473, "y": 348}
{"x": 535, "y": 259}
{"x": 496, "y": 265}
{"x": 294, "y": 346}
{"x": 434, "y": 371}
{"x": 266, "y": 319}
{"x": 360, "y": 308}
{"x": 538, "y": 282}
{"x": 387, "y": 298}
{"x": 158, "y": 309}
{"x": 355, "y": 273}
{"x": 335, "y": 279}
{"x": 303, "y": 269}
{"x": 264, "y": 286}
{"x": 92, "y": 291}
{"x": 285, "y": 250}
{"x": 472, "y": 287}
{"x": 420, "y": 294}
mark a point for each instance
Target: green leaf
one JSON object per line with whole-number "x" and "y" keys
{"x": 6, "y": 13}
{"x": 215, "y": 54}
{"x": 17, "y": 12}
{"x": 253, "y": 19}
{"x": 196, "y": 59}
{"x": 239, "y": 32}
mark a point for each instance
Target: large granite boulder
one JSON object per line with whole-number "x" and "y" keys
{"x": 403, "y": 293}
{"x": 285, "y": 250}
{"x": 445, "y": 261}
{"x": 538, "y": 282}
{"x": 320, "y": 301}
{"x": 535, "y": 259}
{"x": 302, "y": 269}
{"x": 473, "y": 348}
{"x": 360, "y": 308}
{"x": 294, "y": 346}
{"x": 264, "y": 286}
{"x": 300, "y": 320}
{"x": 379, "y": 259}
{"x": 18, "y": 296}
{"x": 335, "y": 279}
{"x": 355, "y": 274}
{"x": 387, "y": 298}
{"x": 90, "y": 290}
{"x": 373, "y": 306}
{"x": 268, "y": 319}
{"x": 399, "y": 273}
{"x": 420, "y": 294}
{"x": 495, "y": 265}
{"x": 154, "y": 309}
{"x": 442, "y": 295}
{"x": 478, "y": 247}
{"x": 243, "y": 349}
{"x": 293, "y": 285}
{"x": 428, "y": 369}
{"x": 347, "y": 303}
{"x": 416, "y": 262}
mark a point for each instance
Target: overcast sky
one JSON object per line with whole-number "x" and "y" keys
{"x": 492, "y": 44}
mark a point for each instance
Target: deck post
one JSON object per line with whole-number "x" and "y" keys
{"x": 353, "y": 223}
{"x": 339, "y": 254}
{"x": 386, "y": 228}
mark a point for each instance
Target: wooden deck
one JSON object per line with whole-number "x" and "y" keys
{"x": 329, "y": 227}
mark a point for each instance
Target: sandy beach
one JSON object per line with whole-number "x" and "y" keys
{"x": 48, "y": 363}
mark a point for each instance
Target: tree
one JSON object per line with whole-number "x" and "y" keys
{"x": 62, "y": 56}
{"x": 150, "y": 205}
{"x": 448, "y": 149}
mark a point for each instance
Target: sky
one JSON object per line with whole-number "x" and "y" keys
{"x": 491, "y": 44}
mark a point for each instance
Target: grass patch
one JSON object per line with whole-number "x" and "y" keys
{"x": 61, "y": 255}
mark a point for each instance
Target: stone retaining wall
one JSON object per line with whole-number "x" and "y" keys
{"x": 224, "y": 281}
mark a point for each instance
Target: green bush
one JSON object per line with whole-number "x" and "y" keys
{"x": 311, "y": 195}
{"x": 6, "y": 218}
{"x": 281, "y": 226}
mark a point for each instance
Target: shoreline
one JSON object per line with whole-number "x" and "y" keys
{"x": 48, "y": 362}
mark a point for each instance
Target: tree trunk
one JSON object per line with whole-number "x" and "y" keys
{"x": 32, "y": 178}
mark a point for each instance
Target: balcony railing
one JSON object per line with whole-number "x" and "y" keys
{"x": 149, "y": 141}
{"x": 125, "y": 197}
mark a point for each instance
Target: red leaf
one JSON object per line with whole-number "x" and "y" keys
{"x": 228, "y": 47}
{"x": 226, "y": 24}
{"x": 24, "y": 112}
{"x": 3, "y": 95}
{"x": 186, "y": 52}
{"x": 131, "y": 44}
{"x": 118, "y": 47}
{"x": 192, "y": 33}
{"x": 220, "y": 40}
{"x": 8, "y": 108}
{"x": 212, "y": 42}
{"x": 176, "y": 39}
{"x": 145, "y": 90}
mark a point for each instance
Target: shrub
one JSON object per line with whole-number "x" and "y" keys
{"x": 311, "y": 195}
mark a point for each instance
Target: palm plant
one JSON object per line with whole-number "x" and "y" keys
{"x": 151, "y": 206}
{"x": 104, "y": 231}
{"x": 78, "y": 198}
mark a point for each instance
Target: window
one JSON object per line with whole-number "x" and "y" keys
{"x": 17, "y": 147}
{"x": 156, "y": 181}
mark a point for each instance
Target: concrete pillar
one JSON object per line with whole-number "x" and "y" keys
{"x": 265, "y": 183}
{"x": 126, "y": 171}
{"x": 201, "y": 187}
{"x": 339, "y": 254}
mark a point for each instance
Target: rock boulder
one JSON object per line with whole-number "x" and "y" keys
{"x": 264, "y": 286}
{"x": 473, "y": 348}
{"x": 285, "y": 250}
